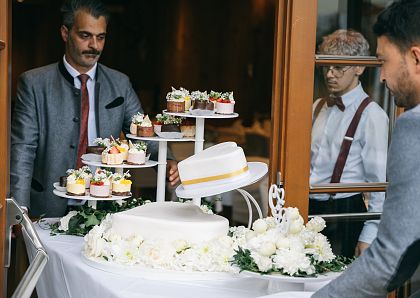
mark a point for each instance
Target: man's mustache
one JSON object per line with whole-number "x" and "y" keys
{"x": 92, "y": 52}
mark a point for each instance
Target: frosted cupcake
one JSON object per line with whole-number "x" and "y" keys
{"x": 112, "y": 156}
{"x": 135, "y": 122}
{"x": 137, "y": 153}
{"x": 145, "y": 129}
{"x": 157, "y": 124}
{"x": 171, "y": 124}
{"x": 201, "y": 101}
{"x": 225, "y": 104}
{"x": 86, "y": 174}
{"x": 100, "y": 185}
{"x": 75, "y": 183}
{"x": 178, "y": 100}
{"x": 121, "y": 185}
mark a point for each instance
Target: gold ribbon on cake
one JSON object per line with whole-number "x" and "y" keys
{"x": 216, "y": 177}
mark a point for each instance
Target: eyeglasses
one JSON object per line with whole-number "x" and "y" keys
{"x": 337, "y": 71}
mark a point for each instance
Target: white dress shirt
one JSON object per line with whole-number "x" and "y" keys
{"x": 366, "y": 161}
{"x": 92, "y": 134}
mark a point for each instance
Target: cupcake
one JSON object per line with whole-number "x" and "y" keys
{"x": 121, "y": 185}
{"x": 157, "y": 124}
{"x": 112, "y": 156}
{"x": 137, "y": 153}
{"x": 123, "y": 148}
{"x": 100, "y": 185}
{"x": 75, "y": 183}
{"x": 225, "y": 104}
{"x": 145, "y": 129}
{"x": 201, "y": 101}
{"x": 171, "y": 124}
{"x": 188, "y": 128}
{"x": 178, "y": 100}
{"x": 100, "y": 145}
{"x": 135, "y": 121}
{"x": 86, "y": 174}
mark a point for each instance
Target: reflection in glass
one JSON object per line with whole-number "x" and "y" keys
{"x": 349, "y": 142}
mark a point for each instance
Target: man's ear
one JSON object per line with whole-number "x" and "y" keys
{"x": 359, "y": 70}
{"x": 64, "y": 33}
{"x": 415, "y": 54}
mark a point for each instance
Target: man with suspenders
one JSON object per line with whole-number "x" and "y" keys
{"x": 349, "y": 144}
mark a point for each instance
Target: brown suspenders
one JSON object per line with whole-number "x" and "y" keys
{"x": 348, "y": 138}
{"x": 347, "y": 141}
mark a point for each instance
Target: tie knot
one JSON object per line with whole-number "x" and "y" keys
{"x": 83, "y": 78}
{"x": 336, "y": 101}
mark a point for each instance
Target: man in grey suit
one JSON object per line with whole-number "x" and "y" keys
{"x": 394, "y": 255}
{"x": 52, "y": 126}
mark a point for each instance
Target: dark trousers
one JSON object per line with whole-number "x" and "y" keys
{"x": 343, "y": 234}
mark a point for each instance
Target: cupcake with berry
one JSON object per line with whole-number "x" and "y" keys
{"x": 121, "y": 184}
{"x": 145, "y": 129}
{"x": 112, "y": 155}
{"x": 100, "y": 185}
{"x": 178, "y": 101}
{"x": 135, "y": 122}
{"x": 225, "y": 104}
{"x": 137, "y": 153}
{"x": 75, "y": 183}
{"x": 157, "y": 124}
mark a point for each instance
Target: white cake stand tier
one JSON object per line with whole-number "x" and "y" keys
{"x": 91, "y": 200}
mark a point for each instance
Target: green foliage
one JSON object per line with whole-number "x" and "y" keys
{"x": 87, "y": 217}
{"x": 244, "y": 261}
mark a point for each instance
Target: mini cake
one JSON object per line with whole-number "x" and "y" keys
{"x": 171, "y": 124}
{"x": 86, "y": 174}
{"x": 201, "y": 101}
{"x": 121, "y": 185}
{"x": 217, "y": 165}
{"x": 178, "y": 100}
{"x": 123, "y": 148}
{"x": 157, "y": 125}
{"x": 145, "y": 129}
{"x": 137, "y": 153}
{"x": 112, "y": 156}
{"x": 101, "y": 144}
{"x": 75, "y": 183}
{"x": 188, "y": 128}
{"x": 170, "y": 221}
{"x": 225, "y": 104}
{"x": 214, "y": 96}
{"x": 135, "y": 122}
{"x": 100, "y": 185}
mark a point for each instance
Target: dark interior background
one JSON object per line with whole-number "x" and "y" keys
{"x": 224, "y": 45}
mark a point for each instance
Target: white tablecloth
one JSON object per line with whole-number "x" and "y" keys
{"x": 67, "y": 275}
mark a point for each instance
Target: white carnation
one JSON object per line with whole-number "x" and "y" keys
{"x": 316, "y": 224}
{"x": 267, "y": 249}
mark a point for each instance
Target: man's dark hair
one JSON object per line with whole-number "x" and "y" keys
{"x": 94, "y": 7}
{"x": 400, "y": 23}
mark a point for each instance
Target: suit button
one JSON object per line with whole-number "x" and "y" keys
{"x": 76, "y": 119}
{"x": 76, "y": 93}
{"x": 72, "y": 146}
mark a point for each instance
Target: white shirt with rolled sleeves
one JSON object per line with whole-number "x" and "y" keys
{"x": 367, "y": 157}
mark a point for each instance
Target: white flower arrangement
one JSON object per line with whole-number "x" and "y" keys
{"x": 289, "y": 248}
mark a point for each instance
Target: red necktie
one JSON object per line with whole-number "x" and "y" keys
{"x": 83, "y": 141}
{"x": 338, "y": 101}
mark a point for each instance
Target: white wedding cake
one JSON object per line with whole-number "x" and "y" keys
{"x": 170, "y": 221}
{"x": 220, "y": 164}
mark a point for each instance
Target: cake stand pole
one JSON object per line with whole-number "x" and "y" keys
{"x": 161, "y": 174}
{"x": 198, "y": 146}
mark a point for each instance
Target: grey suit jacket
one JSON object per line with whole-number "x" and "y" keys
{"x": 395, "y": 254}
{"x": 46, "y": 125}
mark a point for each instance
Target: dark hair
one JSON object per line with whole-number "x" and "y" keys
{"x": 400, "y": 23}
{"x": 94, "y": 7}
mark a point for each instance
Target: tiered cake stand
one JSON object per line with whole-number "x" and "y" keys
{"x": 118, "y": 169}
{"x": 163, "y": 147}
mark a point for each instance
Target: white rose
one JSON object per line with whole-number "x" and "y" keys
{"x": 296, "y": 225}
{"x": 293, "y": 213}
{"x": 267, "y": 249}
{"x": 260, "y": 226}
{"x": 283, "y": 242}
{"x": 250, "y": 234}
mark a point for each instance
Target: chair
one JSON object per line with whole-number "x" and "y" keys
{"x": 38, "y": 257}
